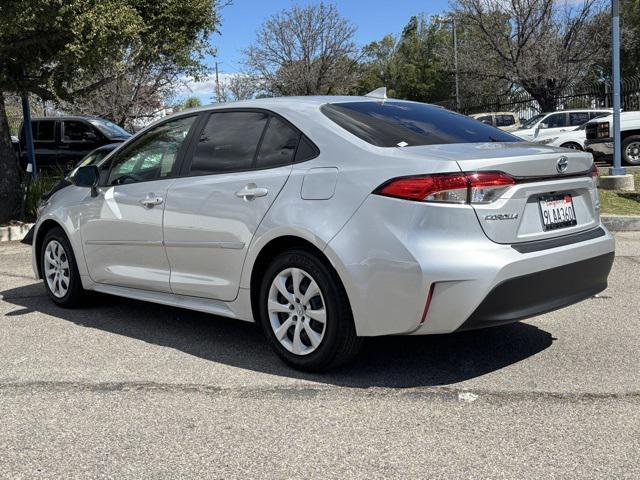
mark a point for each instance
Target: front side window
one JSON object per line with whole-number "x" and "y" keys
{"x": 532, "y": 121}
{"x": 228, "y": 142}
{"x": 557, "y": 120}
{"x": 77, "y": 131}
{"x": 153, "y": 155}
{"x": 278, "y": 145}
{"x": 485, "y": 119}
{"x": 393, "y": 124}
{"x": 578, "y": 118}
{"x": 44, "y": 130}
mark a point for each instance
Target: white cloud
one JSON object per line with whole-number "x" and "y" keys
{"x": 204, "y": 88}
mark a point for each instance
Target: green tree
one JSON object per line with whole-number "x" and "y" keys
{"x": 630, "y": 51}
{"x": 190, "y": 102}
{"x": 410, "y": 66}
{"x": 61, "y": 49}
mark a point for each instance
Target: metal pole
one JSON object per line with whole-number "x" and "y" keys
{"x": 26, "y": 114}
{"x": 455, "y": 61}
{"x": 617, "y": 169}
{"x": 217, "y": 85}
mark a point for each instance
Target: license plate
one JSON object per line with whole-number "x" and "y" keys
{"x": 557, "y": 211}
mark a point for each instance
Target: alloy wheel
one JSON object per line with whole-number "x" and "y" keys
{"x": 633, "y": 152}
{"x": 297, "y": 311}
{"x": 56, "y": 269}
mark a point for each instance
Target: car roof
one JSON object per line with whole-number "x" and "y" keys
{"x": 294, "y": 102}
{"x": 493, "y": 113}
{"x": 603, "y": 109}
{"x": 67, "y": 117}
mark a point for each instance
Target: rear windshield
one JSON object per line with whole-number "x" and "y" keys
{"x": 401, "y": 124}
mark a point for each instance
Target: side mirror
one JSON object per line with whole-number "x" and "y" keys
{"x": 86, "y": 176}
{"x": 544, "y": 125}
{"x": 90, "y": 136}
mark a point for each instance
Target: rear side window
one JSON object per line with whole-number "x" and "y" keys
{"x": 578, "y": 118}
{"x": 306, "y": 150}
{"x": 278, "y": 145}
{"x": 391, "y": 124}
{"x": 505, "y": 120}
{"x": 228, "y": 142}
{"x": 44, "y": 130}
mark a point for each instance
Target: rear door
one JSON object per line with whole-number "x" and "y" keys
{"x": 240, "y": 162}
{"x": 44, "y": 142}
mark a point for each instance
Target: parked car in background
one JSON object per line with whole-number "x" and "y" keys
{"x": 599, "y": 135}
{"x": 95, "y": 157}
{"x": 573, "y": 138}
{"x": 328, "y": 219}
{"x": 506, "y": 121}
{"x": 64, "y": 141}
{"x": 548, "y": 124}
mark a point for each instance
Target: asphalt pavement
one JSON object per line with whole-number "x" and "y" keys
{"x": 124, "y": 389}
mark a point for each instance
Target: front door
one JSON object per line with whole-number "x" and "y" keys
{"x": 240, "y": 162}
{"x": 122, "y": 228}
{"x": 77, "y": 139}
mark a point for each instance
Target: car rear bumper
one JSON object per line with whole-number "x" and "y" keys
{"x": 540, "y": 292}
{"x": 415, "y": 269}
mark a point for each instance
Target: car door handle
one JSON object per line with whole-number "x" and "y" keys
{"x": 251, "y": 191}
{"x": 151, "y": 201}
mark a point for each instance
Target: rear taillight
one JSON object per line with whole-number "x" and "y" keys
{"x": 475, "y": 187}
{"x": 432, "y": 188}
{"x": 488, "y": 186}
{"x": 594, "y": 171}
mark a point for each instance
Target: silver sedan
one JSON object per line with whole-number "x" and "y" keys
{"x": 330, "y": 219}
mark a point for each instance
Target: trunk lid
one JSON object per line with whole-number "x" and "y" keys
{"x": 517, "y": 216}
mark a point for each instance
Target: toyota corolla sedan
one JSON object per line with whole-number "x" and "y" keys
{"x": 330, "y": 219}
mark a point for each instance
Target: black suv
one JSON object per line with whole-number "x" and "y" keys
{"x": 63, "y": 141}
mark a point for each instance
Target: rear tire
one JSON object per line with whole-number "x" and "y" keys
{"x": 631, "y": 150}
{"x": 59, "y": 270}
{"x": 305, "y": 313}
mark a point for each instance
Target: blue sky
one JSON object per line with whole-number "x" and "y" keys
{"x": 372, "y": 18}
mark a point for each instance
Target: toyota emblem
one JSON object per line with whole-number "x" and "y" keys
{"x": 563, "y": 163}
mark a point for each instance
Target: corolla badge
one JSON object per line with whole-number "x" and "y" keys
{"x": 502, "y": 216}
{"x": 562, "y": 165}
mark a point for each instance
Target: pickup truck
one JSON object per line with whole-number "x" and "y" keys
{"x": 600, "y": 137}
{"x": 61, "y": 142}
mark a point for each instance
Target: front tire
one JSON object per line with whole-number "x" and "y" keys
{"x": 572, "y": 146}
{"x": 305, "y": 312}
{"x": 631, "y": 150}
{"x": 59, "y": 270}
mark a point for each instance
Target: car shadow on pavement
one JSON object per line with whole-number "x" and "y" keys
{"x": 397, "y": 361}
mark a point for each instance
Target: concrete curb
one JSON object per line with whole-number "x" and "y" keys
{"x": 15, "y": 232}
{"x": 621, "y": 223}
